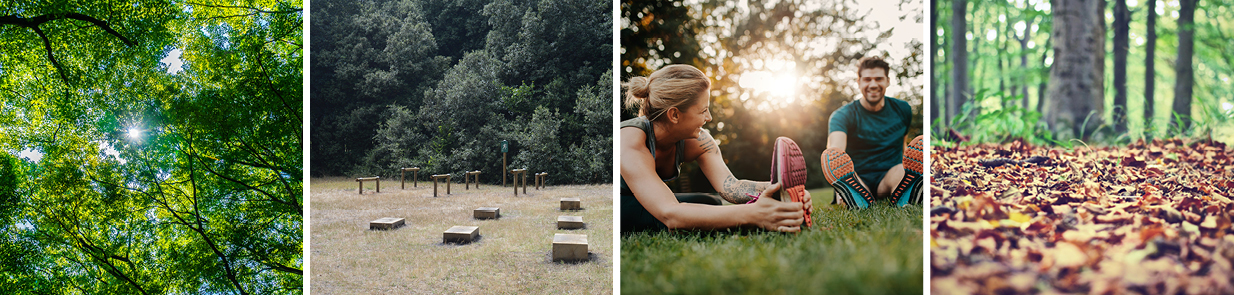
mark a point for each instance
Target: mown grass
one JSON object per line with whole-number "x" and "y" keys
{"x": 513, "y": 255}
{"x": 872, "y": 251}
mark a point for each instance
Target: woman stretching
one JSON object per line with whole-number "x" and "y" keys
{"x": 672, "y": 105}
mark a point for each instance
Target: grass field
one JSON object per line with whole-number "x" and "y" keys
{"x": 872, "y": 251}
{"x": 512, "y": 256}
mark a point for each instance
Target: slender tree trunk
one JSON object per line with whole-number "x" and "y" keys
{"x": 1099, "y": 29}
{"x": 1149, "y": 72}
{"x": 1122, "y": 22}
{"x": 1183, "y": 67}
{"x": 1002, "y": 72}
{"x": 1075, "y": 77}
{"x": 1002, "y": 52}
{"x": 1024, "y": 62}
{"x": 959, "y": 57}
{"x": 1042, "y": 87}
{"x": 934, "y": 39}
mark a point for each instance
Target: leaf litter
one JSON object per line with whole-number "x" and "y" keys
{"x": 1148, "y": 218}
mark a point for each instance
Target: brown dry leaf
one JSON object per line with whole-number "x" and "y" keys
{"x": 1153, "y": 217}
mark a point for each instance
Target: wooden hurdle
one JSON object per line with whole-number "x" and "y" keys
{"x": 514, "y": 174}
{"x": 415, "y": 172}
{"x": 439, "y": 177}
{"x": 475, "y": 176}
{"x": 540, "y": 179}
{"x": 363, "y": 179}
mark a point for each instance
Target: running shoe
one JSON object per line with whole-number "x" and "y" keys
{"x": 909, "y": 190}
{"x": 789, "y": 168}
{"x": 838, "y": 169}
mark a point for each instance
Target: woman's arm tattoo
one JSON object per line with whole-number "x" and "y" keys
{"x": 735, "y": 190}
{"x": 706, "y": 142}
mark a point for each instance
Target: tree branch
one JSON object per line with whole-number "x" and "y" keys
{"x": 33, "y": 23}
{"x": 254, "y": 9}
{"x": 51, "y": 57}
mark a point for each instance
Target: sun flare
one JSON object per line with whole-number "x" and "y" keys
{"x": 780, "y": 87}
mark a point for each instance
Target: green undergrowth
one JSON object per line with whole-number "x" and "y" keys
{"x": 1001, "y": 120}
{"x": 872, "y": 251}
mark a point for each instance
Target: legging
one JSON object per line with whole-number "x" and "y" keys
{"x": 636, "y": 218}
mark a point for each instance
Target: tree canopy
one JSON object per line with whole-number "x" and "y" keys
{"x": 439, "y": 84}
{"x": 150, "y": 147}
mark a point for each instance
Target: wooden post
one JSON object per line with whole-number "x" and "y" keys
{"x": 415, "y": 171}
{"x": 472, "y": 176}
{"x": 437, "y": 178}
{"x": 505, "y": 147}
{"x": 361, "y": 181}
{"x": 541, "y": 179}
{"x": 514, "y": 178}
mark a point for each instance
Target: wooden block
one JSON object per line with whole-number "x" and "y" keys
{"x": 386, "y": 223}
{"x": 487, "y": 213}
{"x": 569, "y": 222}
{"x": 571, "y": 204}
{"x": 569, "y": 247}
{"x": 461, "y": 234}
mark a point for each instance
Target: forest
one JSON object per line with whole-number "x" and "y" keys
{"x": 440, "y": 84}
{"x": 778, "y": 69}
{"x": 151, "y": 147}
{"x": 1112, "y": 70}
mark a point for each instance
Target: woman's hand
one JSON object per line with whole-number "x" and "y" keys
{"x": 774, "y": 215}
{"x": 806, "y": 203}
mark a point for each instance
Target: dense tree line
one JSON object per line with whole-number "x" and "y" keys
{"x": 439, "y": 84}
{"x": 122, "y": 172}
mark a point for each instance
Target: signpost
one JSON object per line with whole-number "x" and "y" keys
{"x": 505, "y": 147}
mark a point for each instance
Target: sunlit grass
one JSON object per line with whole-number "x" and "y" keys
{"x": 872, "y": 251}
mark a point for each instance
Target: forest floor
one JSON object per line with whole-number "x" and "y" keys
{"x": 872, "y": 251}
{"x": 512, "y": 256}
{"x": 1149, "y": 218}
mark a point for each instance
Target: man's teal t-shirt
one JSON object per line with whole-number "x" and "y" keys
{"x": 875, "y": 139}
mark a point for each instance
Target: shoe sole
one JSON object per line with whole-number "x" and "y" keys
{"x": 838, "y": 169}
{"x": 789, "y": 168}
{"x": 909, "y": 190}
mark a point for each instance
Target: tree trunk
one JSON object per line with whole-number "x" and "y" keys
{"x": 1041, "y": 88}
{"x": 959, "y": 57}
{"x": 1182, "y": 66}
{"x": 1024, "y": 62}
{"x": 1122, "y": 22}
{"x": 1094, "y": 118}
{"x": 1075, "y": 76}
{"x": 1149, "y": 72}
{"x": 933, "y": 54}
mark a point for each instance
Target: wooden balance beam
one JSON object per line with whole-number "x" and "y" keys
{"x": 363, "y": 179}
{"x": 515, "y": 174}
{"x": 415, "y": 173}
{"x": 475, "y": 175}
{"x": 439, "y": 177}
{"x": 540, "y": 179}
